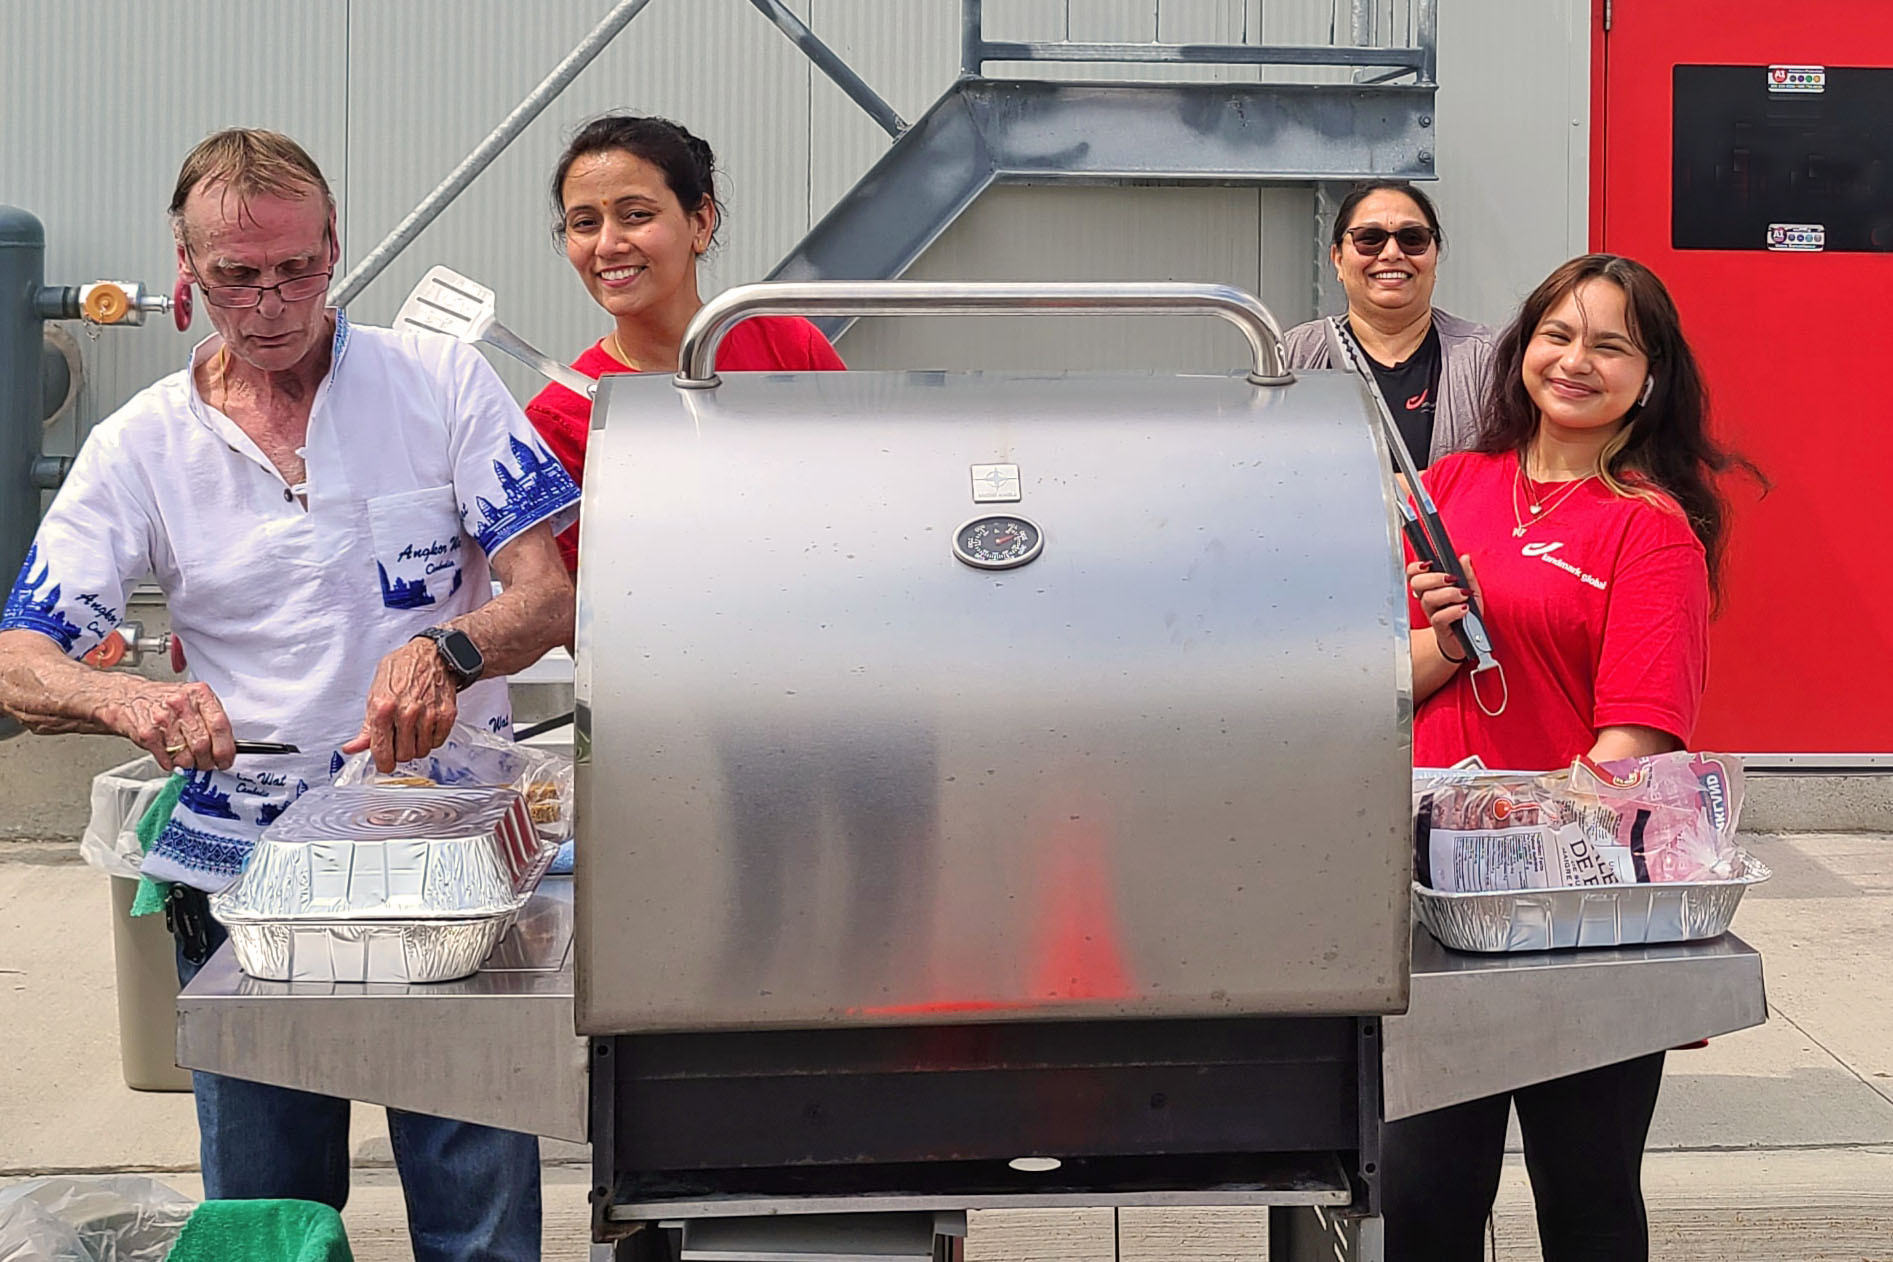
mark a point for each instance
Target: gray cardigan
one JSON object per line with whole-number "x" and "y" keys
{"x": 1465, "y": 351}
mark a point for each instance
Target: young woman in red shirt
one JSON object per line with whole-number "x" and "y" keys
{"x": 636, "y": 207}
{"x": 1590, "y": 506}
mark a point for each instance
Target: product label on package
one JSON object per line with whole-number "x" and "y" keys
{"x": 1534, "y": 857}
{"x": 1491, "y": 859}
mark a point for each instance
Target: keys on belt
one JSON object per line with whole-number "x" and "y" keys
{"x": 187, "y": 916}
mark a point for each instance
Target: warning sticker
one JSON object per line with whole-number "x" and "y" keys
{"x": 1797, "y": 236}
{"x": 1797, "y": 79}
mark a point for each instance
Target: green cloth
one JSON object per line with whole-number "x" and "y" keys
{"x": 262, "y": 1231}
{"x": 151, "y": 894}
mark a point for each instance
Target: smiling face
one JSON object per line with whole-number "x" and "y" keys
{"x": 1582, "y": 368}
{"x": 1388, "y": 281}
{"x": 631, "y": 242}
{"x": 261, "y": 240}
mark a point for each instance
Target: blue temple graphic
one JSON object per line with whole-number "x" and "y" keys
{"x": 539, "y": 487}
{"x": 266, "y": 814}
{"x": 456, "y": 586}
{"x": 202, "y": 797}
{"x": 25, "y": 608}
{"x": 403, "y": 593}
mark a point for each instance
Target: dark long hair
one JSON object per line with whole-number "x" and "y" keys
{"x": 1344, "y": 214}
{"x": 688, "y": 165}
{"x": 1664, "y": 445}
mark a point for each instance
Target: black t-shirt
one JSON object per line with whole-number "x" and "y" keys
{"x": 1412, "y": 393}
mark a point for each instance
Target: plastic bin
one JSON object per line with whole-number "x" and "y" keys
{"x": 146, "y": 960}
{"x": 142, "y": 950}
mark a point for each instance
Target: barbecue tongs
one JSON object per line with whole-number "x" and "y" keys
{"x": 1424, "y": 529}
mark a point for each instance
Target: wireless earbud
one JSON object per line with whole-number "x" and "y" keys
{"x": 1649, "y": 386}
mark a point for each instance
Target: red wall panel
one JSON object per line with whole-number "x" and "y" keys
{"x": 1796, "y": 348}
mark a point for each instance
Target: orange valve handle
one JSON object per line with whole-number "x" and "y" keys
{"x": 106, "y": 304}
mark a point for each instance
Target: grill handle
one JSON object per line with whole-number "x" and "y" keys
{"x": 697, "y": 357}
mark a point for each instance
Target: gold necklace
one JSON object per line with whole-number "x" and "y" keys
{"x": 617, "y": 349}
{"x": 1540, "y": 509}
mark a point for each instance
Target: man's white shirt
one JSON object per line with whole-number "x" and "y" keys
{"x": 420, "y": 467}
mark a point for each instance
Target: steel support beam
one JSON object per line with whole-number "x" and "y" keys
{"x": 982, "y": 131}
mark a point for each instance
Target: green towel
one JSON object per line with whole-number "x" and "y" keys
{"x": 151, "y": 894}
{"x": 262, "y": 1231}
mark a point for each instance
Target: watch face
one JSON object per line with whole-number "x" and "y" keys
{"x": 461, "y": 652}
{"x": 997, "y": 543}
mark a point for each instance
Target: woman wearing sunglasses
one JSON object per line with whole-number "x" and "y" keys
{"x": 1588, "y": 500}
{"x": 1431, "y": 366}
{"x": 634, "y": 203}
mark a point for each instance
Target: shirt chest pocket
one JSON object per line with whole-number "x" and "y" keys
{"x": 419, "y": 548}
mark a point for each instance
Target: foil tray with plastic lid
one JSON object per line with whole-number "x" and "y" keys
{"x": 1589, "y": 916}
{"x": 368, "y": 884}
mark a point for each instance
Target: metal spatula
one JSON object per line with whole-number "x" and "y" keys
{"x": 448, "y": 303}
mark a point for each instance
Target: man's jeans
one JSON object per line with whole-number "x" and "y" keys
{"x": 472, "y": 1191}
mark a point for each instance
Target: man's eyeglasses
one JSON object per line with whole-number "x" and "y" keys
{"x": 295, "y": 289}
{"x": 1414, "y": 239}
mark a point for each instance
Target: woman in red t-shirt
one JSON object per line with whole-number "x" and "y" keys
{"x": 635, "y": 200}
{"x": 1589, "y": 504}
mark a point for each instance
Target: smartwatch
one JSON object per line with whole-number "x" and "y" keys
{"x": 462, "y": 656}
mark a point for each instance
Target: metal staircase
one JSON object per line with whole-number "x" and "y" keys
{"x": 984, "y": 131}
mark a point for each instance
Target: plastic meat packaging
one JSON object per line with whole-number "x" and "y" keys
{"x": 1627, "y": 853}
{"x": 473, "y": 757}
{"x": 1665, "y": 818}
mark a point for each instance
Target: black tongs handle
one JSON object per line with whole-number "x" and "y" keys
{"x": 266, "y": 747}
{"x": 1423, "y": 527}
{"x": 1469, "y": 630}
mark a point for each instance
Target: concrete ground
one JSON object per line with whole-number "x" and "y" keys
{"x": 1772, "y": 1143}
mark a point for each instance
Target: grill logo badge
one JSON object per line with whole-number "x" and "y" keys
{"x": 995, "y": 484}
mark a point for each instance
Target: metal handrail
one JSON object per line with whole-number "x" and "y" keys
{"x": 483, "y": 154}
{"x": 831, "y": 63}
{"x": 696, "y": 357}
{"x": 1420, "y": 60}
{"x": 825, "y": 59}
{"x": 1207, "y": 54}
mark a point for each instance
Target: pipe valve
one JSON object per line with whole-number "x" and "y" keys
{"x": 102, "y": 302}
{"x": 128, "y": 645}
{"x": 120, "y": 302}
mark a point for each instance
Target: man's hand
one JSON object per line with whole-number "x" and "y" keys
{"x": 183, "y": 726}
{"x": 411, "y": 706}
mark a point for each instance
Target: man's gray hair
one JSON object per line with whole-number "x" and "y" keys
{"x": 249, "y": 162}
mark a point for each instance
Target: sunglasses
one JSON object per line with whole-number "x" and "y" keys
{"x": 1414, "y": 239}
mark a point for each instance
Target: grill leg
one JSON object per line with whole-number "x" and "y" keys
{"x": 1300, "y": 1233}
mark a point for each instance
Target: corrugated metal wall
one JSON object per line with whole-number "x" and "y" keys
{"x": 99, "y": 99}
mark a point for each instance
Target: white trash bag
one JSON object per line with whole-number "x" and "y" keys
{"x": 120, "y": 798}
{"x": 31, "y": 1234}
{"x": 109, "y": 1218}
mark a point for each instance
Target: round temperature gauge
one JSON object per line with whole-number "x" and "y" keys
{"x": 997, "y": 543}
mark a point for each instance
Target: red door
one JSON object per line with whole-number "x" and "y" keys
{"x": 1716, "y": 127}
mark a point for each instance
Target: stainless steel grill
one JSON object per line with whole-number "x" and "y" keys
{"x": 835, "y": 775}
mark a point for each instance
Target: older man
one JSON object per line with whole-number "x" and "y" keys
{"x": 321, "y": 504}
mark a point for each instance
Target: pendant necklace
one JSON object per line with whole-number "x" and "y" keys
{"x": 1539, "y": 508}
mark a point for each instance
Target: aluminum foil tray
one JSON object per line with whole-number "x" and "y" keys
{"x": 366, "y": 950}
{"x": 1590, "y": 916}
{"x": 361, "y": 883}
